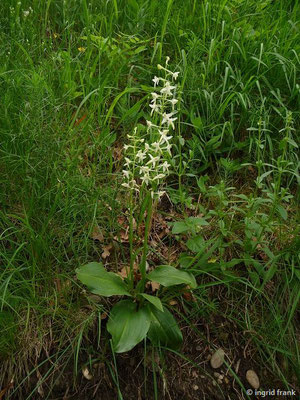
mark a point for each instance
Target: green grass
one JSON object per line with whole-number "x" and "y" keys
{"x": 64, "y": 116}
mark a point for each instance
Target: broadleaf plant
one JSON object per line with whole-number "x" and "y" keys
{"x": 147, "y": 164}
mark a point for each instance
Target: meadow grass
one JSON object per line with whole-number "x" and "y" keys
{"x": 75, "y": 77}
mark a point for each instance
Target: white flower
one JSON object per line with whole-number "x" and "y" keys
{"x": 167, "y": 60}
{"x": 175, "y": 75}
{"x": 165, "y": 166}
{"x": 159, "y": 176}
{"x": 126, "y": 173}
{"x": 126, "y": 185}
{"x": 168, "y": 120}
{"x": 173, "y": 102}
{"x": 155, "y": 108}
{"x": 163, "y": 136}
{"x": 149, "y": 124}
{"x": 167, "y": 89}
{"x": 153, "y": 160}
{"x": 168, "y": 148}
{"x": 127, "y": 161}
{"x": 147, "y": 147}
{"x": 156, "y": 146}
{"x": 145, "y": 179}
{"x": 156, "y": 80}
{"x": 140, "y": 155}
{"x": 144, "y": 169}
{"x": 26, "y": 13}
{"x": 127, "y": 146}
{"x": 155, "y": 96}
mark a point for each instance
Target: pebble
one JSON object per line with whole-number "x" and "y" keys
{"x": 86, "y": 373}
{"x": 252, "y": 378}
{"x": 195, "y": 387}
{"x": 217, "y": 359}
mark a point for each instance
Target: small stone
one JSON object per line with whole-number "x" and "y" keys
{"x": 217, "y": 375}
{"x": 220, "y": 381}
{"x": 195, "y": 387}
{"x": 217, "y": 359}
{"x": 252, "y": 378}
{"x": 86, "y": 373}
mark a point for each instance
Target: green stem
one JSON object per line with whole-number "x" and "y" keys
{"x": 145, "y": 247}
{"x": 131, "y": 277}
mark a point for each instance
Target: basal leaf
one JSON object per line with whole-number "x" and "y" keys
{"x": 153, "y": 300}
{"x": 163, "y": 328}
{"x": 127, "y": 325}
{"x": 169, "y": 276}
{"x": 101, "y": 282}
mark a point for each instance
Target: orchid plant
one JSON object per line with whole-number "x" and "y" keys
{"x": 147, "y": 165}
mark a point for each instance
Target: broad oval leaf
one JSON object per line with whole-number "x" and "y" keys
{"x": 190, "y": 224}
{"x": 101, "y": 282}
{"x": 153, "y": 300}
{"x": 179, "y": 227}
{"x": 163, "y": 328}
{"x": 196, "y": 244}
{"x": 127, "y": 325}
{"x": 169, "y": 276}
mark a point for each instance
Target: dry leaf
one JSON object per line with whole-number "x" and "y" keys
{"x": 124, "y": 272}
{"x": 103, "y": 315}
{"x": 173, "y": 302}
{"x": 79, "y": 120}
{"x": 40, "y": 387}
{"x": 41, "y": 391}
{"x": 97, "y": 234}
{"x": 57, "y": 284}
{"x": 188, "y": 296}
{"x": 134, "y": 224}
{"x": 124, "y": 236}
{"x": 106, "y": 252}
{"x": 3, "y": 391}
{"x": 86, "y": 373}
{"x": 117, "y": 153}
{"x": 154, "y": 286}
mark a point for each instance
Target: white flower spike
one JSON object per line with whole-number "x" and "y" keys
{"x": 148, "y": 160}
